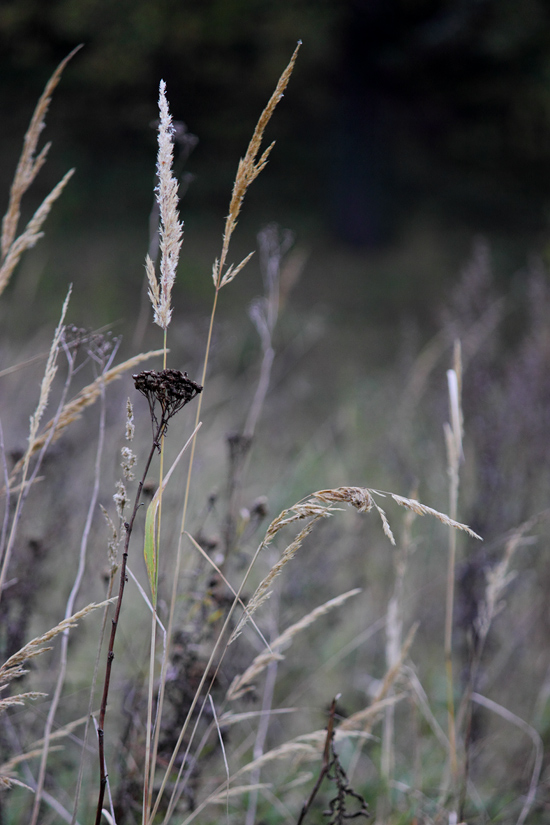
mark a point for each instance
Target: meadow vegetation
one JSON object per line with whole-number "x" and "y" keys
{"x": 212, "y": 606}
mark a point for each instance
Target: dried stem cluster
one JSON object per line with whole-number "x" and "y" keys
{"x": 197, "y": 671}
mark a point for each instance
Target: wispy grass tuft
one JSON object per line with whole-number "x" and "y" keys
{"x": 171, "y": 230}
{"x": 28, "y": 168}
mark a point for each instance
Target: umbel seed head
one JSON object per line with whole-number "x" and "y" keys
{"x": 172, "y": 389}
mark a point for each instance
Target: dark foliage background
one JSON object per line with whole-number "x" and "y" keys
{"x": 408, "y": 127}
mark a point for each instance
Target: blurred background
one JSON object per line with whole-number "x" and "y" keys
{"x": 412, "y": 165}
{"x": 409, "y": 128}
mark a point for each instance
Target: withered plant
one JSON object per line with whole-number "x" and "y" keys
{"x": 229, "y": 641}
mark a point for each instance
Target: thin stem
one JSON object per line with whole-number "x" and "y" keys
{"x": 449, "y": 651}
{"x": 26, "y": 484}
{"x": 453, "y": 437}
{"x": 151, "y": 737}
{"x": 6, "y": 518}
{"x": 179, "y": 552}
{"x": 91, "y": 700}
{"x": 69, "y": 610}
{"x": 110, "y": 652}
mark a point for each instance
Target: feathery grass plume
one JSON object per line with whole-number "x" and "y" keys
{"x": 362, "y": 499}
{"x": 13, "y": 667}
{"x": 8, "y": 767}
{"x": 369, "y": 714}
{"x": 171, "y": 230}
{"x": 128, "y": 460}
{"x": 248, "y": 170}
{"x": 422, "y": 510}
{"x": 19, "y": 699}
{"x": 287, "y": 750}
{"x": 32, "y": 233}
{"x": 27, "y": 169}
{"x": 29, "y": 164}
{"x": 243, "y": 683}
{"x": 171, "y": 235}
{"x": 87, "y": 396}
{"x": 305, "y": 746}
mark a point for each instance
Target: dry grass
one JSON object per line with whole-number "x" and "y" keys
{"x": 206, "y": 701}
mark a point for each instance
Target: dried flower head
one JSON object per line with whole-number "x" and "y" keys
{"x": 171, "y": 389}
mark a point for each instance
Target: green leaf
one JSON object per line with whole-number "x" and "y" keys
{"x": 150, "y": 549}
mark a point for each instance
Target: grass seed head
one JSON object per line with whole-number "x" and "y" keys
{"x": 171, "y": 230}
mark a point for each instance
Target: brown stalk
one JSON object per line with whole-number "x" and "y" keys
{"x": 171, "y": 390}
{"x": 110, "y": 653}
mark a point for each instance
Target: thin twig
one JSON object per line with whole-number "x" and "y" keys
{"x": 110, "y": 653}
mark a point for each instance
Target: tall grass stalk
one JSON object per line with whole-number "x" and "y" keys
{"x": 453, "y": 441}
{"x": 394, "y": 632}
{"x": 30, "y": 164}
{"x": 248, "y": 169}
{"x": 160, "y": 292}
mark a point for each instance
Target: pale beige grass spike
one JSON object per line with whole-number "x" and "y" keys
{"x": 28, "y": 167}
{"x": 171, "y": 229}
{"x": 11, "y": 669}
{"x": 247, "y": 171}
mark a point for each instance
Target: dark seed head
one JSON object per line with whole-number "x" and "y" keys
{"x": 172, "y": 389}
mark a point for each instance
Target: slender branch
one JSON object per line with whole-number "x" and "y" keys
{"x": 171, "y": 390}
{"x": 110, "y": 654}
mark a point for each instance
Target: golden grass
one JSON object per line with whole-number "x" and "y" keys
{"x": 13, "y": 667}
{"x": 205, "y": 715}
{"x": 28, "y": 168}
{"x": 248, "y": 170}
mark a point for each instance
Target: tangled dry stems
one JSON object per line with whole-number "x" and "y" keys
{"x": 169, "y": 390}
